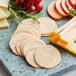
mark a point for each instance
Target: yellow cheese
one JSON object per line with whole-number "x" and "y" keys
{"x": 72, "y": 48}
{"x": 70, "y": 45}
{"x": 4, "y": 4}
{"x": 8, "y": 14}
{"x": 4, "y": 14}
{"x": 4, "y": 24}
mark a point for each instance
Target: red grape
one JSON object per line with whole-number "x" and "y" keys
{"x": 20, "y": 2}
{"x": 26, "y": 5}
{"x": 30, "y": 1}
{"x": 75, "y": 7}
{"x": 37, "y": 1}
{"x": 30, "y": 5}
{"x": 31, "y": 9}
{"x": 39, "y": 7}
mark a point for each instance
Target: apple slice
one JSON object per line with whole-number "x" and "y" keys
{"x": 72, "y": 2}
{"x": 58, "y": 8}
{"x": 52, "y": 12}
{"x": 67, "y": 4}
{"x": 64, "y": 8}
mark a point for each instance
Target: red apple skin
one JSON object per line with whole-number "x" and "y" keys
{"x": 58, "y": 10}
{"x": 51, "y": 15}
{"x": 64, "y": 9}
{"x": 67, "y": 7}
{"x": 71, "y": 3}
{"x": 75, "y": 7}
{"x": 66, "y": 4}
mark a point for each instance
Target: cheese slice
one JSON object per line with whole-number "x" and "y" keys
{"x": 8, "y": 13}
{"x": 69, "y": 36}
{"x": 72, "y": 48}
{"x": 66, "y": 25}
{"x": 4, "y": 3}
{"x": 4, "y": 24}
{"x": 71, "y": 26}
{"x": 67, "y": 41}
{"x": 4, "y": 14}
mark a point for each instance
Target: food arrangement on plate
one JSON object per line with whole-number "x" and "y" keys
{"x": 26, "y": 40}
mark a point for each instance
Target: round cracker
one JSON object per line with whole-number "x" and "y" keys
{"x": 25, "y": 42}
{"x": 14, "y": 41}
{"x": 29, "y": 30}
{"x": 21, "y": 31}
{"x": 27, "y": 36}
{"x": 47, "y": 25}
{"x": 35, "y": 30}
{"x": 29, "y": 21}
{"x": 31, "y": 43}
{"x": 47, "y": 57}
{"x": 30, "y": 58}
{"x": 24, "y": 23}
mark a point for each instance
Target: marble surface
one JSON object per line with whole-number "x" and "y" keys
{"x": 69, "y": 72}
{"x": 17, "y": 65}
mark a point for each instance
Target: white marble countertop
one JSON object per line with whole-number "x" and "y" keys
{"x": 69, "y": 72}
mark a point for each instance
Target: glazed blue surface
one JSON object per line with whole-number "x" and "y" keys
{"x": 17, "y": 65}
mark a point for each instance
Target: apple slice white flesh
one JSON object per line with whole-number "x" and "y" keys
{"x": 72, "y": 2}
{"x": 65, "y": 25}
{"x": 67, "y": 4}
{"x": 59, "y": 9}
{"x": 71, "y": 26}
{"x": 70, "y": 35}
{"x": 52, "y": 12}
{"x": 64, "y": 8}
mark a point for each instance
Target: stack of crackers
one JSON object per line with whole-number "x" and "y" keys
{"x": 26, "y": 42}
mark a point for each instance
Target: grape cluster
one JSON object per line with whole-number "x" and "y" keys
{"x": 30, "y": 5}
